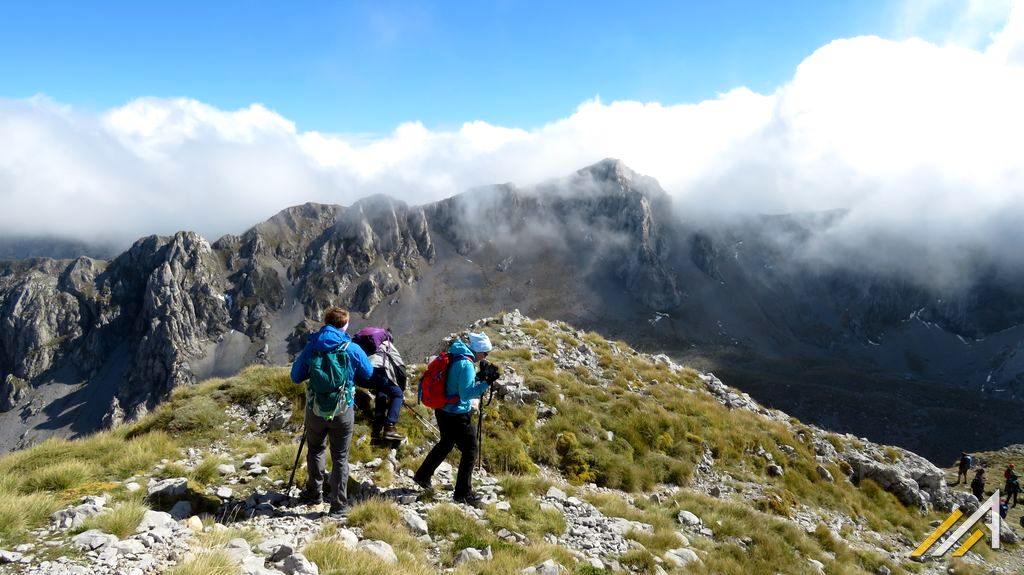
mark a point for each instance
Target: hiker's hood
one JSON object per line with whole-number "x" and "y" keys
{"x": 328, "y": 338}
{"x": 458, "y": 347}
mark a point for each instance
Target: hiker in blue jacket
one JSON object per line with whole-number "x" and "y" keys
{"x": 337, "y": 429}
{"x": 454, "y": 421}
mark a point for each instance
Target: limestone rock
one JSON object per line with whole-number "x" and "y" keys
{"x": 378, "y": 548}
{"x": 681, "y": 556}
{"x": 93, "y": 540}
{"x": 297, "y": 564}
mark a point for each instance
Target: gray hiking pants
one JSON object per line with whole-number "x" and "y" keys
{"x": 338, "y": 432}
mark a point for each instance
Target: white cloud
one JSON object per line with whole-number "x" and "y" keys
{"x": 922, "y": 142}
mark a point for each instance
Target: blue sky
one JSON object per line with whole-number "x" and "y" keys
{"x": 367, "y": 66}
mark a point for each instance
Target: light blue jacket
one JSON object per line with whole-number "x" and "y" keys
{"x": 328, "y": 338}
{"x": 461, "y": 379}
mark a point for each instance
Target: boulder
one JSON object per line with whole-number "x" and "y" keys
{"x": 132, "y": 546}
{"x": 467, "y": 555}
{"x": 297, "y": 564}
{"x": 555, "y": 493}
{"x": 378, "y": 548}
{"x": 73, "y": 517}
{"x": 276, "y": 549}
{"x": 548, "y": 567}
{"x": 347, "y": 538}
{"x": 156, "y": 520}
{"x": 414, "y": 522}
{"x": 92, "y": 540}
{"x": 181, "y": 510}
{"x": 681, "y": 556}
{"x": 254, "y": 461}
{"x": 688, "y": 519}
{"x": 889, "y": 477}
{"x": 195, "y": 524}
{"x": 168, "y": 489}
{"x": 824, "y": 474}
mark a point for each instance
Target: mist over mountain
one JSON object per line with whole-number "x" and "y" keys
{"x": 916, "y": 142}
{"x": 86, "y": 342}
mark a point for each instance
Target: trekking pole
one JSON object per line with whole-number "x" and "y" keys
{"x": 298, "y": 454}
{"x": 423, "y": 421}
{"x": 480, "y": 429}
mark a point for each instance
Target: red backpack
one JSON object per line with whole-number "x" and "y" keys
{"x": 432, "y": 392}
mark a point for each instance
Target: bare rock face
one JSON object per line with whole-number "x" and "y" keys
{"x": 38, "y": 319}
{"x": 183, "y": 305}
{"x": 376, "y": 245}
{"x": 12, "y": 391}
{"x": 605, "y": 216}
{"x": 171, "y": 310}
{"x": 911, "y": 478}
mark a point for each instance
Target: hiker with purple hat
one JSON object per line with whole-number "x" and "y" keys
{"x": 387, "y": 382}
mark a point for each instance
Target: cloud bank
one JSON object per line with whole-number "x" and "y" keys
{"x": 922, "y": 144}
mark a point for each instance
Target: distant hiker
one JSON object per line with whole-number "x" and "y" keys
{"x": 387, "y": 382}
{"x": 331, "y": 364}
{"x": 1009, "y": 470}
{"x": 1012, "y": 486}
{"x": 978, "y": 484}
{"x": 965, "y": 463}
{"x": 453, "y": 419}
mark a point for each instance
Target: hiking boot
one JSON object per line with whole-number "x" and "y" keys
{"x": 339, "y": 512}
{"x": 472, "y": 499}
{"x": 310, "y": 498}
{"x": 391, "y": 433}
{"x": 423, "y": 483}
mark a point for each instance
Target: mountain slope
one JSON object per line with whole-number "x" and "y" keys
{"x": 85, "y": 342}
{"x": 596, "y": 456}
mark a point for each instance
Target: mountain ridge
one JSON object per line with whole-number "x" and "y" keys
{"x": 95, "y": 342}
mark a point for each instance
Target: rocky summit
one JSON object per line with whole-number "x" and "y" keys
{"x": 596, "y": 459}
{"x": 88, "y": 343}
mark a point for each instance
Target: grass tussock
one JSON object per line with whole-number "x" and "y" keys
{"x": 208, "y": 562}
{"x": 221, "y": 536}
{"x": 512, "y": 559}
{"x": 381, "y": 519}
{"x": 60, "y": 476}
{"x": 19, "y": 513}
{"x": 333, "y": 558}
{"x": 206, "y": 472}
{"x": 122, "y": 520}
{"x": 526, "y": 516}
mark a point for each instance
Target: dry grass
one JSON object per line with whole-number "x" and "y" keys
{"x": 19, "y": 513}
{"x": 207, "y": 562}
{"x": 219, "y": 537}
{"x": 122, "y": 520}
{"x": 333, "y": 558}
{"x": 512, "y": 559}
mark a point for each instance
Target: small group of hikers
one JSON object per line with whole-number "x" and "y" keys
{"x": 335, "y": 363}
{"x": 1011, "y": 482}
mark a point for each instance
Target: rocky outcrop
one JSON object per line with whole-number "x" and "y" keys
{"x": 38, "y": 321}
{"x": 172, "y": 309}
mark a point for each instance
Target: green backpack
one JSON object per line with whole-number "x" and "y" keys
{"x": 330, "y": 381}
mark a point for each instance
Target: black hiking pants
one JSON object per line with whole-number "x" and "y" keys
{"x": 457, "y": 430}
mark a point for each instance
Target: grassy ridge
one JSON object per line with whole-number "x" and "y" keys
{"x": 632, "y": 425}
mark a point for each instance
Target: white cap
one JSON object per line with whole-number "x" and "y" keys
{"x": 479, "y": 342}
